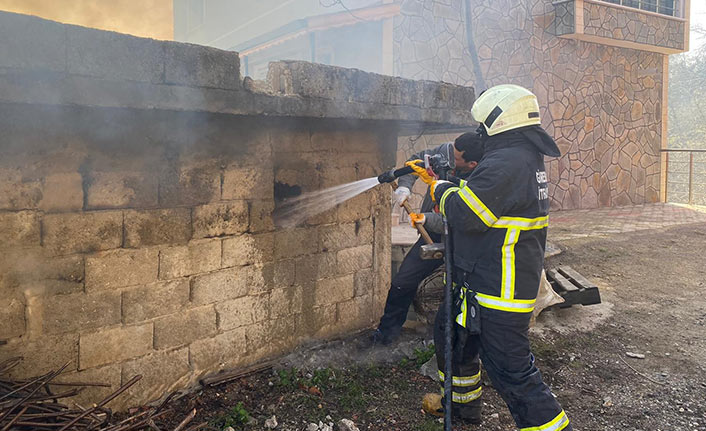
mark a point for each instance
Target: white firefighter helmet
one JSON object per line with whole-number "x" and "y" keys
{"x": 506, "y": 107}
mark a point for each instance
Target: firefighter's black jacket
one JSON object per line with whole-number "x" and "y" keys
{"x": 499, "y": 219}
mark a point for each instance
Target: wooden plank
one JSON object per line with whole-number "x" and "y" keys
{"x": 578, "y": 278}
{"x": 563, "y": 283}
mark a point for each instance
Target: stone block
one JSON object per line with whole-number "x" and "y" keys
{"x": 41, "y": 354}
{"x": 153, "y": 227}
{"x": 19, "y": 229}
{"x": 261, "y": 216}
{"x": 248, "y": 249}
{"x": 62, "y": 192}
{"x": 333, "y": 290}
{"x": 319, "y": 322}
{"x": 113, "y": 56}
{"x": 182, "y": 328}
{"x": 242, "y": 311}
{"x": 271, "y": 337}
{"x": 12, "y": 316}
{"x": 120, "y": 268}
{"x": 279, "y": 274}
{"x": 291, "y": 243}
{"x": 189, "y": 185}
{"x": 161, "y": 372}
{"x": 32, "y": 43}
{"x": 83, "y": 232}
{"x": 315, "y": 267}
{"x": 286, "y": 302}
{"x": 248, "y": 182}
{"x": 219, "y": 219}
{"x": 223, "y": 350}
{"x": 201, "y": 66}
{"x": 354, "y": 259}
{"x": 121, "y": 190}
{"x": 18, "y": 192}
{"x": 109, "y": 374}
{"x": 76, "y": 312}
{"x": 193, "y": 258}
{"x": 227, "y": 284}
{"x": 114, "y": 345}
{"x": 154, "y": 300}
{"x": 364, "y": 282}
{"x": 345, "y": 235}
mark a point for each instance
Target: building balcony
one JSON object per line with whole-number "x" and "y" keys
{"x": 648, "y": 25}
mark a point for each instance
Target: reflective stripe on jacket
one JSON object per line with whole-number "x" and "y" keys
{"x": 499, "y": 220}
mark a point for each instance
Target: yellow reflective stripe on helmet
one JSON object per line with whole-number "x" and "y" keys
{"x": 477, "y": 206}
{"x": 558, "y": 423}
{"x": 442, "y": 202}
{"x": 522, "y": 223}
{"x": 511, "y": 305}
{"x": 462, "y": 381}
{"x": 467, "y": 397}
{"x": 508, "y": 263}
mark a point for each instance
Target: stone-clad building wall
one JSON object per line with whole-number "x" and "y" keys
{"x": 602, "y": 104}
{"x": 137, "y": 185}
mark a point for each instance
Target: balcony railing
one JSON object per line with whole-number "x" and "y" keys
{"x": 685, "y": 172}
{"x": 665, "y": 7}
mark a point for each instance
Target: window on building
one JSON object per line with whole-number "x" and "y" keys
{"x": 664, "y": 7}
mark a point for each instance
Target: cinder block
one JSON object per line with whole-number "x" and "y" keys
{"x": 153, "y": 227}
{"x": 201, "y": 66}
{"x": 42, "y": 354}
{"x": 242, "y": 311}
{"x": 109, "y": 374}
{"x": 271, "y": 337}
{"x": 18, "y": 192}
{"x": 114, "y": 345}
{"x": 223, "y": 350}
{"x": 291, "y": 243}
{"x": 248, "y": 249}
{"x": 356, "y": 208}
{"x": 356, "y": 313}
{"x": 12, "y": 316}
{"x": 32, "y": 43}
{"x": 333, "y": 290}
{"x": 286, "y": 302}
{"x": 154, "y": 300}
{"x": 182, "y": 328}
{"x": 315, "y": 267}
{"x": 319, "y": 322}
{"x": 354, "y": 259}
{"x": 77, "y": 312}
{"x": 220, "y": 219}
{"x": 121, "y": 190}
{"x": 113, "y": 56}
{"x": 248, "y": 182}
{"x": 226, "y": 284}
{"x": 261, "y": 216}
{"x": 120, "y": 268}
{"x": 161, "y": 373}
{"x": 345, "y": 235}
{"x": 82, "y": 232}
{"x": 194, "y": 258}
{"x": 62, "y": 192}
{"x": 279, "y": 274}
{"x": 19, "y": 229}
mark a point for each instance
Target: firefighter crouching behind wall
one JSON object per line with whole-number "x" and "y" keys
{"x": 498, "y": 221}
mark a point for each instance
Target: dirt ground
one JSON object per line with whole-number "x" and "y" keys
{"x": 652, "y": 286}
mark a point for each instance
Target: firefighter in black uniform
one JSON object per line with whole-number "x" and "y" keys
{"x": 498, "y": 220}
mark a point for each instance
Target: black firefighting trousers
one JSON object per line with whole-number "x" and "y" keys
{"x": 503, "y": 346}
{"x": 413, "y": 271}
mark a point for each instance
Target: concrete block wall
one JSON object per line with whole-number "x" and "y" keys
{"x": 138, "y": 242}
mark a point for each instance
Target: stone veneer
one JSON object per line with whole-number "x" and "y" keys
{"x": 137, "y": 184}
{"x": 602, "y": 104}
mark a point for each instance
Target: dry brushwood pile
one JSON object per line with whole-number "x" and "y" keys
{"x": 34, "y": 404}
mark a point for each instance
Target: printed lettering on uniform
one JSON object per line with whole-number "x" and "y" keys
{"x": 542, "y": 187}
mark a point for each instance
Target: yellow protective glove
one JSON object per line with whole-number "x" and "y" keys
{"x": 433, "y": 188}
{"x": 420, "y": 171}
{"x": 416, "y": 218}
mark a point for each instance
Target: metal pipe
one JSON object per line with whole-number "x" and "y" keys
{"x": 448, "y": 351}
